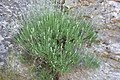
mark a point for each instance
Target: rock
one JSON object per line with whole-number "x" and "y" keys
{"x": 114, "y": 75}
{"x": 111, "y": 56}
{"x": 62, "y": 1}
{"x": 114, "y": 48}
{"x": 1, "y": 38}
{"x": 117, "y": 0}
{"x": 1, "y": 63}
{"x": 2, "y": 49}
{"x": 115, "y": 7}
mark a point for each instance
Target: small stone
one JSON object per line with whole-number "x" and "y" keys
{"x": 2, "y": 49}
{"x": 1, "y": 38}
{"x": 1, "y": 63}
{"x": 114, "y": 75}
{"x": 105, "y": 54}
{"x": 115, "y": 48}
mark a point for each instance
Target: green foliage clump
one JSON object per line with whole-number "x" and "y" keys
{"x": 54, "y": 39}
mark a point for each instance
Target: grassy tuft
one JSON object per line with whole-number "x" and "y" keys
{"x": 54, "y": 40}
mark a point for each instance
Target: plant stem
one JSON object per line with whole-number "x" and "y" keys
{"x": 56, "y": 76}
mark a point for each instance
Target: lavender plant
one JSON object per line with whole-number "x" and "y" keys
{"x": 54, "y": 39}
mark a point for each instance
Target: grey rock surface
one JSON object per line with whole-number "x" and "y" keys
{"x": 10, "y": 10}
{"x": 106, "y": 19}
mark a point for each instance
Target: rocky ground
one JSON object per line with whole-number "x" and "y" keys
{"x": 105, "y": 15}
{"x": 106, "y": 19}
{"x": 9, "y": 11}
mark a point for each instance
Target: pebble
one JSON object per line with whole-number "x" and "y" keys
{"x": 2, "y": 49}
{"x": 114, "y": 76}
{"x": 1, "y": 38}
{"x": 1, "y": 63}
{"x": 115, "y": 48}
